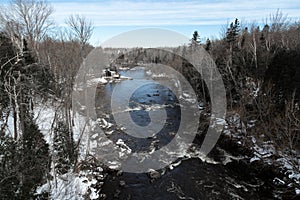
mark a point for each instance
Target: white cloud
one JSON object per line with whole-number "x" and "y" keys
{"x": 160, "y": 13}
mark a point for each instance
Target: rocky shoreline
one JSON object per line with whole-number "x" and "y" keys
{"x": 253, "y": 180}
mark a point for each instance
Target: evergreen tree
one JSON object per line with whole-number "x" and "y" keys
{"x": 26, "y": 161}
{"x": 35, "y": 156}
{"x": 196, "y": 38}
{"x": 234, "y": 64}
{"x": 233, "y": 32}
{"x": 7, "y": 54}
{"x": 284, "y": 72}
{"x": 24, "y": 164}
{"x": 63, "y": 146}
{"x": 10, "y": 168}
{"x": 208, "y": 44}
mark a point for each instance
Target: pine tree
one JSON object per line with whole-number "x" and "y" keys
{"x": 234, "y": 65}
{"x": 10, "y": 168}
{"x": 63, "y": 147}
{"x": 7, "y": 54}
{"x": 208, "y": 44}
{"x": 26, "y": 161}
{"x": 196, "y": 38}
{"x": 233, "y": 32}
{"x": 35, "y": 156}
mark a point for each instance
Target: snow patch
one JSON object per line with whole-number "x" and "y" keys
{"x": 70, "y": 186}
{"x": 95, "y": 81}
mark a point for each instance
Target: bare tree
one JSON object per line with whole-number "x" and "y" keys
{"x": 26, "y": 18}
{"x": 278, "y": 21}
{"x": 25, "y": 23}
{"x": 81, "y": 28}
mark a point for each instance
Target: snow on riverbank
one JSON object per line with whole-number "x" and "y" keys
{"x": 264, "y": 151}
{"x": 96, "y": 81}
{"x": 72, "y": 186}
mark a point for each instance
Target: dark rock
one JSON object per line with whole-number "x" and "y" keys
{"x": 154, "y": 174}
{"x": 122, "y": 183}
{"x": 117, "y": 194}
{"x": 119, "y": 173}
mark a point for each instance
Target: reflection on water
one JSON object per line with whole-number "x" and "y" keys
{"x": 193, "y": 178}
{"x": 150, "y": 97}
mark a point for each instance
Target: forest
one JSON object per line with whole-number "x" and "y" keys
{"x": 260, "y": 68}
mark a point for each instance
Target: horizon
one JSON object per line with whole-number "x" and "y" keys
{"x": 209, "y": 18}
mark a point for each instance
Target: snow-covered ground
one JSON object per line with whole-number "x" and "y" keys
{"x": 72, "y": 186}
{"x": 96, "y": 81}
{"x": 78, "y": 185}
{"x": 234, "y": 127}
{"x": 264, "y": 150}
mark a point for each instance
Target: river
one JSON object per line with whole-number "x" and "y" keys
{"x": 192, "y": 176}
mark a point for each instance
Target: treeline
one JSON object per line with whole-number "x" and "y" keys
{"x": 259, "y": 66}
{"x": 38, "y": 66}
{"x": 258, "y": 52}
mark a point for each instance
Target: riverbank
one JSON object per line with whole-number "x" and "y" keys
{"x": 226, "y": 173}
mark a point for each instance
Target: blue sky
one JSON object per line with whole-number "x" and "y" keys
{"x": 111, "y": 18}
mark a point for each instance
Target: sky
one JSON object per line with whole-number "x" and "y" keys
{"x": 208, "y": 17}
